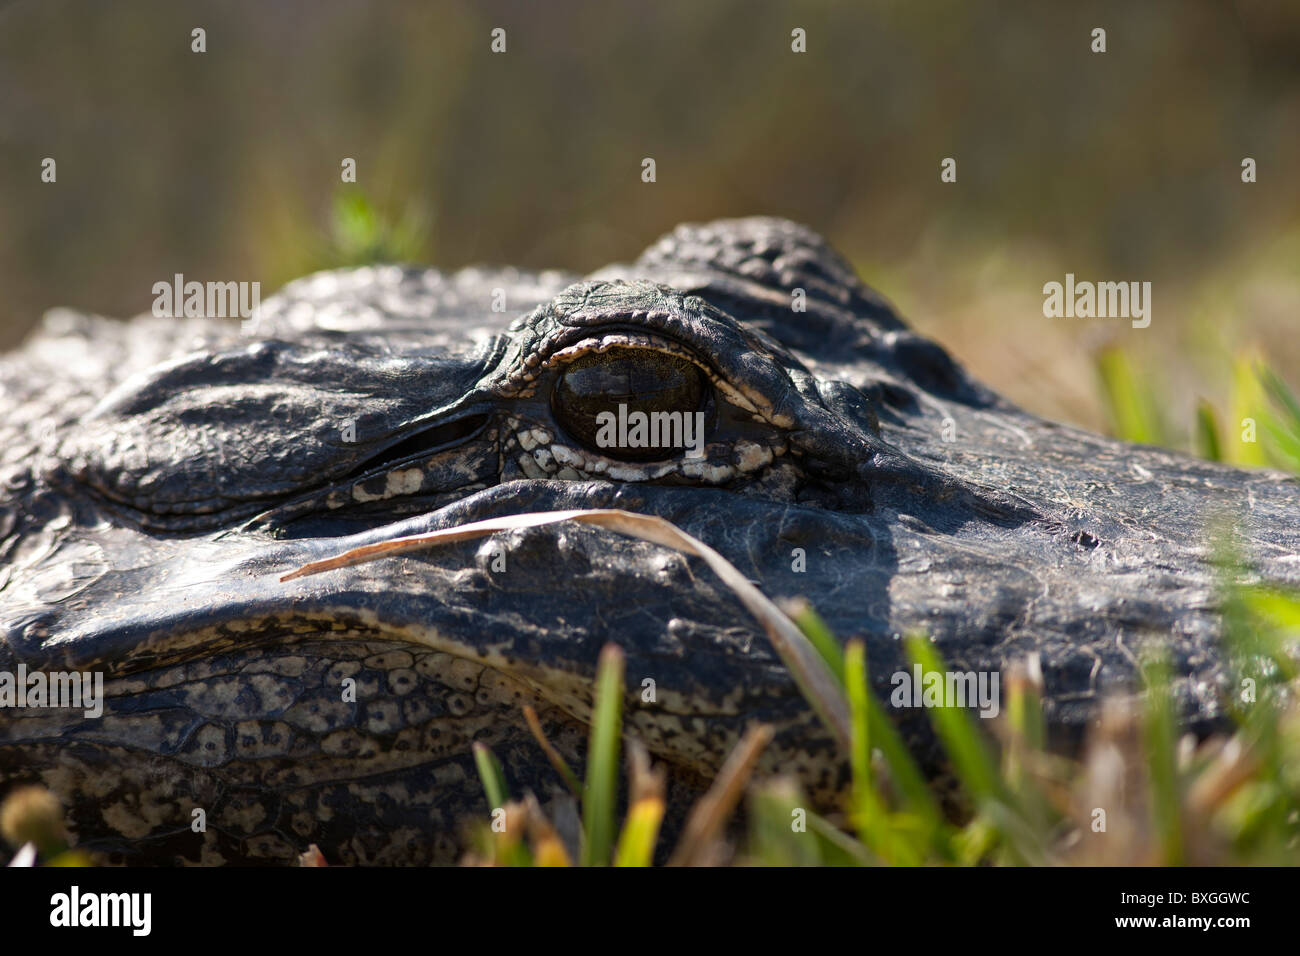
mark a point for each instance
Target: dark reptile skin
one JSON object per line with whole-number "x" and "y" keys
{"x": 147, "y": 512}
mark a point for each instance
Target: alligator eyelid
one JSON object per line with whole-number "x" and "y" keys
{"x": 545, "y": 361}
{"x": 555, "y": 352}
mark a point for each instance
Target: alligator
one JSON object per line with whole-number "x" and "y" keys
{"x": 162, "y": 475}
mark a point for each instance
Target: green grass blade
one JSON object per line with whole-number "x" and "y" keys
{"x": 636, "y": 844}
{"x": 1025, "y": 748}
{"x": 1279, "y": 609}
{"x": 1159, "y": 732}
{"x": 489, "y": 771}
{"x": 1282, "y": 396}
{"x": 836, "y": 847}
{"x": 1282, "y": 422}
{"x": 1013, "y": 830}
{"x": 918, "y": 800}
{"x": 601, "y": 787}
{"x": 976, "y": 841}
{"x": 965, "y": 748}
{"x": 779, "y": 826}
{"x": 819, "y": 635}
{"x": 1249, "y": 404}
{"x": 856, "y": 689}
{"x": 361, "y": 233}
{"x": 915, "y": 796}
{"x": 870, "y": 812}
{"x": 1270, "y": 621}
{"x": 1283, "y": 447}
{"x": 1209, "y": 444}
{"x": 1133, "y": 412}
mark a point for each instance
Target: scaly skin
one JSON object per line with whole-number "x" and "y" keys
{"x": 160, "y": 475}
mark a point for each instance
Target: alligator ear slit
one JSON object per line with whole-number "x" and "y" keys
{"x": 428, "y": 440}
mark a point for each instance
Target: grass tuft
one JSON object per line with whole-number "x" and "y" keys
{"x": 601, "y": 787}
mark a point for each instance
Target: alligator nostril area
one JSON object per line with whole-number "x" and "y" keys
{"x": 1085, "y": 540}
{"x": 426, "y": 441}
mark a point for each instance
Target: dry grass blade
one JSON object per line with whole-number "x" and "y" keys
{"x": 567, "y": 775}
{"x": 417, "y": 542}
{"x": 548, "y": 848}
{"x": 645, "y": 808}
{"x": 715, "y": 807}
{"x": 802, "y": 660}
{"x": 1234, "y": 765}
{"x": 645, "y": 781}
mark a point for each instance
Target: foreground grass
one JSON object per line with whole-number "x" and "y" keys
{"x": 1142, "y": 793}
{"x": 1260, "y": 429}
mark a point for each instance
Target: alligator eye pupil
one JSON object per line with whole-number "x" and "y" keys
{"x": 640, "y": 381}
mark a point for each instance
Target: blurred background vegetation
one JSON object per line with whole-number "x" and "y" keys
{"x": 1117, "y": 166}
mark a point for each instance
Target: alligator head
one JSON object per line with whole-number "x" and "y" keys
{"x": 162, "y": 475}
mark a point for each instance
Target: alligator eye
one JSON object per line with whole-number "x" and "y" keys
{"x": 614, "y": 402}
